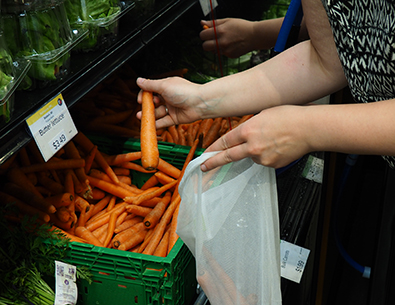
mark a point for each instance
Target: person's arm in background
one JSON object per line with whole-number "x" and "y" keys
{"x": 237, "y": 37}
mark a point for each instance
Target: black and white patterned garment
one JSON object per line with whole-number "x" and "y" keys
{"x": 364, "y": 32}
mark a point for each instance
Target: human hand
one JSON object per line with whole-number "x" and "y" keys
{"x": 177, "y": 97}
{"x": 235, "y": 36}
{"x": 275, "y": 137}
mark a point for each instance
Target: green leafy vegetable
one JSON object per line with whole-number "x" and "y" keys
{"x": 28, "y": 252}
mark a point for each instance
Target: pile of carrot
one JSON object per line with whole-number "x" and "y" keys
{"x": 90, "y": 197}
{"x": 112, "y": 106}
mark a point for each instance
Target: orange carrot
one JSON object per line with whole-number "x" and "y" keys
{"x": 63, "y": 214}
{"x": 138, "y": 210}
{"x": 146, "y": 240}
{"x": 152, "y": 181}
{"x": 84, "y": 216}
{"x": 63, "y": 225}
{"x": 87, "y": 235}
{"x": 97, "y": 194}
{"x": 111, "y": 203}
{"x": 151, "y": 202}
{"x": 153, "y": 217}
{"x": 25, "y": 161}
{"x": 101, "y": 204}
{"x": 145, "y": 196}
{"x": 149, "y": 143}
{"x": 60, "y": 200}
{"x": 23, "y": 207}
{"x": 87, "y": 145}
{"x": 50, "y": 184}
{"x": 161, "y": 249}
{"x": 111, "y": 226}
{"x": 161, "y": 226}
{"x": 204, "y": 127}
{"x": 188, "y": 159}
{"x": 104, "y": 218}
{"x": 81, "y": 204}
{"x": 28, "y": 197}
{"x": 134, "y": 240}
{"x": 89, "y": 159}
{"x": 173, "y": 236}
{"x": 18, "y": 177}
{"x": 181, "y": 135}
{"x": 168, "y": 169}
{"x": 55, "y": 165}
{"x": 78, "y": 188}
{"x": 127, "y": 224}
{"x": 125, "y": 235}
{"x": 212, "y": 133}
{"x": 68, "y": 183}
{"x": 163, "y": 178}
{"x": 174, "y": 134}
{"x": 125, "y": 179}
{"x": 135, "y": 167}
{"x": 120, "y": 171}
{"x": 116, "y": 118}
{"x": 73, "y": 153}
{"x": 110, "y": 187}
{"x": 121, "y": 158}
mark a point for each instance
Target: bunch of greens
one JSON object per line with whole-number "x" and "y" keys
{"x": 41, "y": 36}
{"x": 28, "y": 252}
{"x": 98, "y": 16}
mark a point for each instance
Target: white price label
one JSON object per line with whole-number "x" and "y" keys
{"x": 52, "y": 127}
{"x": 66, "y": 291}
{"x": 314, "y": 169}
{"x": 208, "y": 6}
{"x": 293, "y": 261}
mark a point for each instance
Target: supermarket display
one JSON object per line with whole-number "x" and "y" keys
{"x": 87, "y": 177}
{"x": 39, "y": 31}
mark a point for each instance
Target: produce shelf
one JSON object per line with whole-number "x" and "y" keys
{"x": 89, "y": 69}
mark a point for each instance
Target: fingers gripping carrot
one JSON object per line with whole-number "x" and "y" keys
{"x": 149, "y": 143}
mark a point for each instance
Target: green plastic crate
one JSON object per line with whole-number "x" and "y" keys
{"x": 123, "y": 277}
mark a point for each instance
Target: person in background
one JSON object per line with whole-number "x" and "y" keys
{"x": 346, "y": 47}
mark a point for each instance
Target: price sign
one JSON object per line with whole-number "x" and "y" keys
{"x": 293, "y": 261}
{"x": 52, "y": 127}
{"x": 207, "y": 5}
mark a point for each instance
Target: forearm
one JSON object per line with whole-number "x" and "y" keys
{"x": 265, "y": 34}
{"x": 296, "y": 76}
{"x": 351, "y": 128}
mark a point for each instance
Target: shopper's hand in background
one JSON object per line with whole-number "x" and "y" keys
{"x": 275, "y": 137}
{"x": 235, "y": 36}
{"x": 178, "y": 95}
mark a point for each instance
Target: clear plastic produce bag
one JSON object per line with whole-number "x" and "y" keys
{"x": 228, "y": 218}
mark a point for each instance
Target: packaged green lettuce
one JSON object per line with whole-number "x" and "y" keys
{"x": 99, "y": 17}
{"x": 7, "y": 76}
{"x": 40, "y": 32}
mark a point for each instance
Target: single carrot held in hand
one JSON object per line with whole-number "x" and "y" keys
{"x": 149, "y": 143}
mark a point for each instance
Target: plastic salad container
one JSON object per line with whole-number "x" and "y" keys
{"x": 39, "y": 31}
{"x": 99, "y": 17}
{"x": 7, "y": 78}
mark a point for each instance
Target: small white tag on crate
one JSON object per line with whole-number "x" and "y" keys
{"x": 293, "y": 261}
{"x": 52, "y": 127}
{"x": 314, "y": 169}
{"x": 208, "y": 5}
{"x": 66, "y": 291}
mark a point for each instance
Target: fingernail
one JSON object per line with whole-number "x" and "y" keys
{"x": 140, "y": 80}
{"x": 203, "y": 168}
